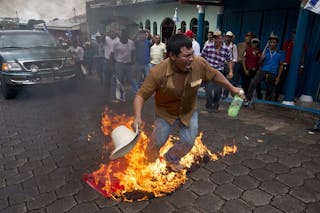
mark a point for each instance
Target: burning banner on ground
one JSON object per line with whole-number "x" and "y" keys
{"x": 132, "y": 177}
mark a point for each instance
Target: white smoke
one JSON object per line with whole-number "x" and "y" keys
{"x": 41, "y": 9}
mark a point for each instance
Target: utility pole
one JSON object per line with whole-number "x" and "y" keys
{"x": 75, "y": 15}
{"x": 17, "y": 16}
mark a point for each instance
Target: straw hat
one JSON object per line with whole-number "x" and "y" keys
{"x": 124, "y": 140}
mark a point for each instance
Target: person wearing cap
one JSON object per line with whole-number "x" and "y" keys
{"x": 270, "y": 70}
{"x": 175, "y": 83}
{"x": 251, "y": 64}
{"x": 241, "y": 48}
{"x": 228, "y": 42}
{"x": 195, "y": 44}
{"x": 217, "y": 55}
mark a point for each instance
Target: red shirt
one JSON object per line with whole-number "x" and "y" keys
{"x": 288, "y": 47}
{"x": 252, "y": 58}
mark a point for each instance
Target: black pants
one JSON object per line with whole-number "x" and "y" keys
{"x": 260, "y": 76}
{"x": 279, "y": 86}
{"x": 247, "y": 80}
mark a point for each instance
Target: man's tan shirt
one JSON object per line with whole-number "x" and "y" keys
{"x": 169, "y": 106}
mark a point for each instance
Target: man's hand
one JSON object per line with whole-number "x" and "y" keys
{"x": 137, "y": 123}
{"x": 238, "y": 91}
{"x": 230, "y": 75}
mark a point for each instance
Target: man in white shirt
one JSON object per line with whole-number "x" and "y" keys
{"x": 158, "y": 51}
{"x": 195, "y": 44}
{"x": 210, "y": 39}
{"x": 110, "y": 40}
{"x": 123, "y": 56}
{"x": 228, "y": 43}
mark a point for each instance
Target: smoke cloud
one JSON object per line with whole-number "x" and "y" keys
{"x": 41, "y": 9}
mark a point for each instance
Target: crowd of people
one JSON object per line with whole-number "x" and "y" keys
{"x": 118, "y": 57}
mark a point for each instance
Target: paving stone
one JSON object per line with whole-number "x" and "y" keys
{"x": 290, "y": 161}
{"x": 43, "y": 210}
{"x": 186, "y": 210}
{"x": 312, "y": 166}
{"x": 9, "y": 190}
{"x": 135, "y": 206}
{"x": 20, "y": 208}
{"x": 86, "y": 194}
{"x": 236, "y": 206}
{"x": 256, "y": 197}
{"x": 85, "y": 208}
{"x": 237, "y": 170}
{"x": 49, "y": 185}
{"x": 45, "y": 169}
{"x": 61, "y": 205}
{"x": 221, "y": 177}
{"x": 290, "y": 180}
{"x": 266, "y": 209}
{"x": 312, "y": 184}
{"x": 274, "y": 187}
{"x": 19, "y": 178}
{"x": 245, "y": 182}
{"x": 103, "y": 202}
{"x": 3, "y": 203}
{"x": 266, "y": 158}
{"x": 215, "y": 166}
{"x": 22, "y": 196}
{"x": 8, "y": 173}
{"x": 231, "y": 159}
{"x": 302, "y": 172}
{"x": 202, "y": 187}
{"x": 277, "y": 168}
{"x": 15, "y": 164}
{"x": 304, "y": 194}
{"x": 69, "y": 189}
{"x": 61, "y": 172}
{"x": 253, "y": 163}
{"x": 288, "y": 203}
{"x": 262, "y": 174}
{"x": 187, "y": 185}
{"x": 109, "y": 210}
{"x": 182, "y": 198}
{"x": 200, "y": 173}
{"x": 313, "y": 207}
{"x": 208, "y": 203}
{"x": 30, "y": 165}
{"x": 158, "y": 205}
{"x": 41, "y": 201}
{"x": 228, "y": 191}
{"x": 277, "y": 152}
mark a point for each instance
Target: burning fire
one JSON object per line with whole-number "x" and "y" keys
{"x": 132, "y": 177}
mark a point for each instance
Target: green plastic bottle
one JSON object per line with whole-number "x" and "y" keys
{"x": 235, "y": 106}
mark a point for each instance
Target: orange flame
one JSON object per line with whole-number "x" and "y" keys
{"x": 133, "y": 177}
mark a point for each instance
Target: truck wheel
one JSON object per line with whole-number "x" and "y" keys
{"x": 8, "y": 91}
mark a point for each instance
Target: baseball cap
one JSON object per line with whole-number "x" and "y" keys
{"x": 217, "y": 33}
{"x": 189, "y": 33}
{"x": 229, "y": 33}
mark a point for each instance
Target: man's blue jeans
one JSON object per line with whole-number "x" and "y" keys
{"x": 122, "y": 71}
{"x": 160, "y": 135}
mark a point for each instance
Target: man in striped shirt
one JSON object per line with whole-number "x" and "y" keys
{"x": 217, "y": 55}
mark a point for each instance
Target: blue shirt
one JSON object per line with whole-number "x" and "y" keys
{"x": 272, "y": 61}
{"x": 143, "y": 51}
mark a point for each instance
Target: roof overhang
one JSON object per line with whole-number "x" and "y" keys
{"x": 203, "y": 2}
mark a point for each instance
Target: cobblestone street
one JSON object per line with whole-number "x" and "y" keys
{"x": 44, "y": 150}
